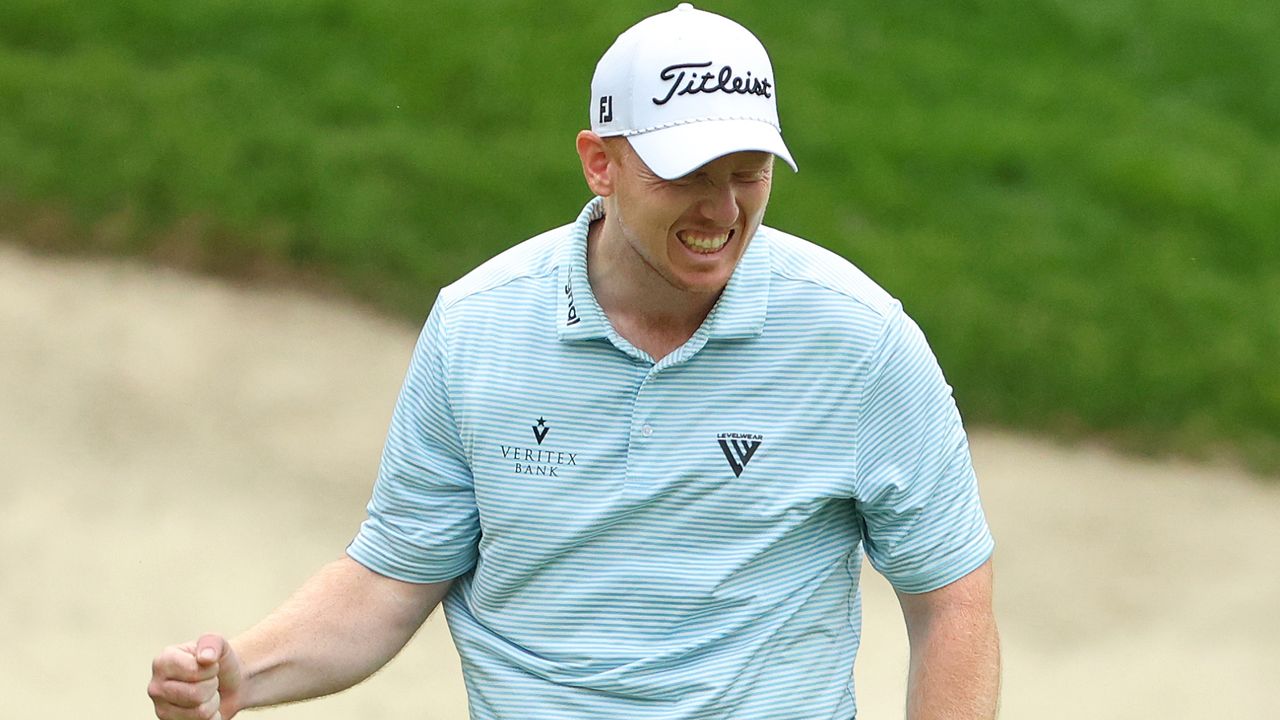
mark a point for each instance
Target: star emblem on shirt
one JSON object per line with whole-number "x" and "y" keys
{"x": 540, "y": 430}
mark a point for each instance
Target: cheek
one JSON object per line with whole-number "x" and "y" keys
{"x": 647, "y": 229}
{"x": 753, "y": 204}
{"x": 651, "y": 208}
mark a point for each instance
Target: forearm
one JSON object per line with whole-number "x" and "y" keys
{"x": 955, "y": 671}
{"x": 339, "y": 628}
{"x": 955, "y": 650}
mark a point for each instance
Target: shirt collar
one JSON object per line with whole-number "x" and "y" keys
{"x": 739, "y": 313}
{"x": 741, "y": 310}
{"x": 578, "y": 315}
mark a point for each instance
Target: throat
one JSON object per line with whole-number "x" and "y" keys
{"x": 641, "y": 304}
{"x": 652, "y": 335}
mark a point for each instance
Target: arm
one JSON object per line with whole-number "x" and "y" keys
{"x": 339, "y": 628}
{"x": 955, "y": 650}
{"x": 347, "y": 621}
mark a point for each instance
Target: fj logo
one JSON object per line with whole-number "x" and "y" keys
{"x": 606, "y": 109}
{"x": 738, "y": 449}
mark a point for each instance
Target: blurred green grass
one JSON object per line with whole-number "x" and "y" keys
{"x": 1079, "y": 202}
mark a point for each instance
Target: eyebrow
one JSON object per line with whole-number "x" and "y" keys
{"x": 743, "y": 171}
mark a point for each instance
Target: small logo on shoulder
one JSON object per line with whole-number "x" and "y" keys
{"x": 739, "y": 448}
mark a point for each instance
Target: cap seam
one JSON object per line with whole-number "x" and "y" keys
{"x": 690, "y": 121}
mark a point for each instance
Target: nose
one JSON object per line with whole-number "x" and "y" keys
{"x": 720, "y": 205}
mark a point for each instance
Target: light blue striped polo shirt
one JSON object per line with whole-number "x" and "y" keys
{"x": 681, "y": 539}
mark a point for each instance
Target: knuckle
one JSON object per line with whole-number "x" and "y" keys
{"x": 183, "y": 695}
{"x": 177, "y": 694}
{"x": 209, "y": 708}
{"x": 196, "y": 694}
{"x": 168, "y": 664}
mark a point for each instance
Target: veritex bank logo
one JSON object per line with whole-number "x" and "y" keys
{"x": 546, "y": 462}
{"x": 739, "y": 448}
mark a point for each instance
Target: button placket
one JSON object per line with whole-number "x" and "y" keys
{"x": 642, "y": 431}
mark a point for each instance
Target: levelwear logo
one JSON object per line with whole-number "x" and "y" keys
{"x": 738, "y": 449}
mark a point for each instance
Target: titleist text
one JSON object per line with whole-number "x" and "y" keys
{"x": 686, "y": 80}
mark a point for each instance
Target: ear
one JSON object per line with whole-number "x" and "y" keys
{"x": 595, "y": 163}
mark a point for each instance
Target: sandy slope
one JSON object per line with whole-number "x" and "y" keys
{"x": 176, "y": 455}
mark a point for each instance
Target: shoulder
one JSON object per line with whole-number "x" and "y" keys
{"x": 508, "y": 274}
{"x": 803, "y": 269}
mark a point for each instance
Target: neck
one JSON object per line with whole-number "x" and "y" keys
{"x": 641, "y": 305}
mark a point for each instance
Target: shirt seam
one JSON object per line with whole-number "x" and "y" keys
{"x": 880, "y": 312}
{"x": 446, "y": 337}
{"x": 500, "y": 283}
{"x": 860, "y": 396}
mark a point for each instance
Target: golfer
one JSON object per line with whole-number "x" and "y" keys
{"x": 639, "y": 458}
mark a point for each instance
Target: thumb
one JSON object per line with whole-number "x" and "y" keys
{"x": 215, "y": 655}
{"x": 210, "y": 649}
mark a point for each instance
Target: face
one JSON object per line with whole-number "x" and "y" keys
{"x": 693, "y": 230}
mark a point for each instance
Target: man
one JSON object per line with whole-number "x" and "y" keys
{"x": 637, "y": 457}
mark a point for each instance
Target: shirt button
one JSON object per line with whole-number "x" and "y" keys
{"x": 646, "y": 430}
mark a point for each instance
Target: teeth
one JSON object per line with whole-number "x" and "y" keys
{"x": 703, "y": 242}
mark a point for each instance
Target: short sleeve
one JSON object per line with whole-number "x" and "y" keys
{"x": 422, "y": 523}
{"x": 916, "y": 492}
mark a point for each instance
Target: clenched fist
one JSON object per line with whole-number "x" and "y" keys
{"x": 196, "y": 681}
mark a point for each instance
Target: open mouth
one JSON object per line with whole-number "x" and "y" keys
{"x": 704, "y": 243}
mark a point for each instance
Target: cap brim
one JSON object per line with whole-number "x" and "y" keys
{"x": 679, "y": 150}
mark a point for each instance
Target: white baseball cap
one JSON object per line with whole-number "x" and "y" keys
{"x": 686, "y": 87}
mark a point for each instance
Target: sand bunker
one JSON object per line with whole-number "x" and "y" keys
{"x": 177, "y": 454}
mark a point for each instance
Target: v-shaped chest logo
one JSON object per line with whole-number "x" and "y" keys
{"x": 738, "y": 449}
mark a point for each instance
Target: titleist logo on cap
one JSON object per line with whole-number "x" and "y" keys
{"x": 677, "y": 86}
{"x": 685, "y": 80}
